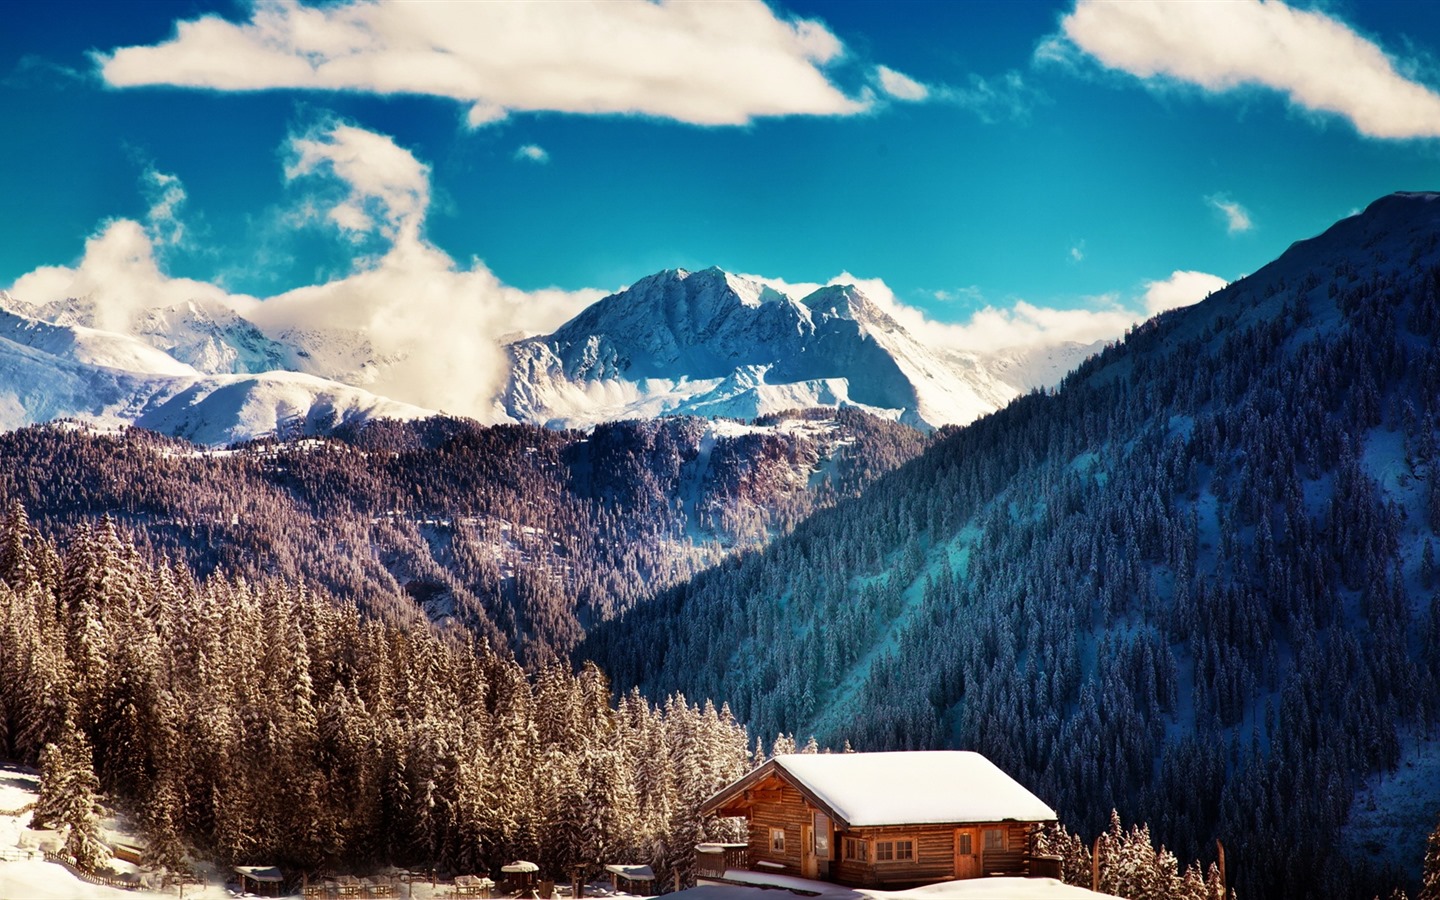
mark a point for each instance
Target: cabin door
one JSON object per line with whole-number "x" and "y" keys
{"x": 967, "y": 853}
{"x": 808, "y": 867}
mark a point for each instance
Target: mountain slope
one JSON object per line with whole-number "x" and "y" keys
{"x": 526, "y": 536}
{"x": 714, "y": 343}
{"x": 1196, "y": 584}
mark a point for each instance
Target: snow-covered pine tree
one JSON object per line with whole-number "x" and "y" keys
{"x": 166, "y": 850}
{"x": 68, "y": 796}
{"x": 1430, "y": 874}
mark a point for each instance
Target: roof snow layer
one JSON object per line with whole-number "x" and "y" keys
{"x": 914, "y": 788}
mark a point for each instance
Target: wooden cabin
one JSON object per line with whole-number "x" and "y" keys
{"x": 887, "y": 820}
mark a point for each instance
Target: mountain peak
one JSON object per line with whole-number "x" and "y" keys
{"x": 714, "y": 343}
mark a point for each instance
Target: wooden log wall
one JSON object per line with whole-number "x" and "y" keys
{"x": 777, "y": 805}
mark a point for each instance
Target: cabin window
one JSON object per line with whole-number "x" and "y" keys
{"x": 899, "y": 850}
{"x": 965, "y": 847}
{"x": 777, "y": 840}
{"x": 994, "y": 840}
{"x": 856, "y": 850}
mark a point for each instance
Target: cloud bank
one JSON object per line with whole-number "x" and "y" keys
{"x": 1024, "y": 326}
{"x": 434, "y": 327}
{"x": 702, "y": 63}
{"x": 1318, "y": 62}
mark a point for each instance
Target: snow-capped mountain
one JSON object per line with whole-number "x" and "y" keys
{"x": 50, "y": 371}
{"x": 713, "y": 343}
{"x": 201, "y": 333}
{"x": 705, "y": 343}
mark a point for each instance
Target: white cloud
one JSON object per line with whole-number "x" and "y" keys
{"x": 389, "y": 189}
{"x": 436, "y": 323}
{"x": 1077, "y": 252}
{"x": 1182, "y": 288}
{"x": 703, "y": 63}
{"x": 533, "y": 153}
{"x": 969, "y": 293}
{"x": 119, "y": 272}
{"x": 166, "y": 194}
{"x": 1007, "y": 96}
{"x": 1237, "y": 217}
{"x": 899, "y": 85}
{"x": 1023, "y": 325}
{"x": 1318, "y": 62}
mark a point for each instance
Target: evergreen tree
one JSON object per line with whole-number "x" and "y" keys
{"x": 69, "y": 796}
{"x": 1430, "y": 877}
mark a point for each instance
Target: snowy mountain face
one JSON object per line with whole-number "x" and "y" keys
{"x": 704, "y": 343}
{"x": 712, "y": 343}
{"x": 204, "y": 375}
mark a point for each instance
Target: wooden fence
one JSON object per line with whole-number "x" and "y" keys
{"x": 88, "y": 877}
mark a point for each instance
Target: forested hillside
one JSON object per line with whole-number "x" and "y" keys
{"x": 261, "y": 723}
{"x": 1197, "y": 582}
{"x": 524, "y": 535}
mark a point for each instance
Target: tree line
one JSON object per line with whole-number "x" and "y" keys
{"x": 267, "y": 723}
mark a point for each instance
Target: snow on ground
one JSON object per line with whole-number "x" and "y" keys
{"x": 968, "y": 889}
{"x": 23, "y": 876}
{"x": 1381, "y": 827}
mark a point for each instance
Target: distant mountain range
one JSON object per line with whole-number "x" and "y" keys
{"x": 706, "y": 343}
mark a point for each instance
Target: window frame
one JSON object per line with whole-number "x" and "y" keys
{"x": 893, "y": 844}
{"x": 849, "y": 847}
{"x": 777, "y": 840}
{"x": 1002, "y": 842}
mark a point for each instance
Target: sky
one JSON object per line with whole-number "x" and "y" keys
{"x": 1000, "y": 172}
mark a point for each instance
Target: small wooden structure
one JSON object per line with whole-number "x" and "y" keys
{"x": 521, "y": 876}
{"x": 888, "y": 820}
{"x": 131, "y": 849}
{"x": 473, "y": 886}
{"x": 632, "y": 876}
{"x": 713, "y": 860}
{"x": 266, "y": 880}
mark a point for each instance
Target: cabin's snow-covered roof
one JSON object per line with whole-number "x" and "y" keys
{"x": 913, "y": 787}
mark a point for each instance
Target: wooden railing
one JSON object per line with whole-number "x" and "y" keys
{"x": 713, "y": 865}
{"x": 89, "y": 877}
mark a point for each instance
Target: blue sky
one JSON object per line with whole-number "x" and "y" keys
{"x": 978, "y": 158}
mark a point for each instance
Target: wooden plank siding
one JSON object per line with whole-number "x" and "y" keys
{"x": 788, "y": 810}
{"x": 934, "y": 847}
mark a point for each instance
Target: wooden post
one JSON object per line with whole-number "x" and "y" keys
{"x": 1095, "y": 867}
{"x": 1221, "y": 849}
{"x": 577, "y": 890}
{"x": 677, "y": 879}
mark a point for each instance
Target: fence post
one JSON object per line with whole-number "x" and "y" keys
{"x": 1095, "y": 867}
